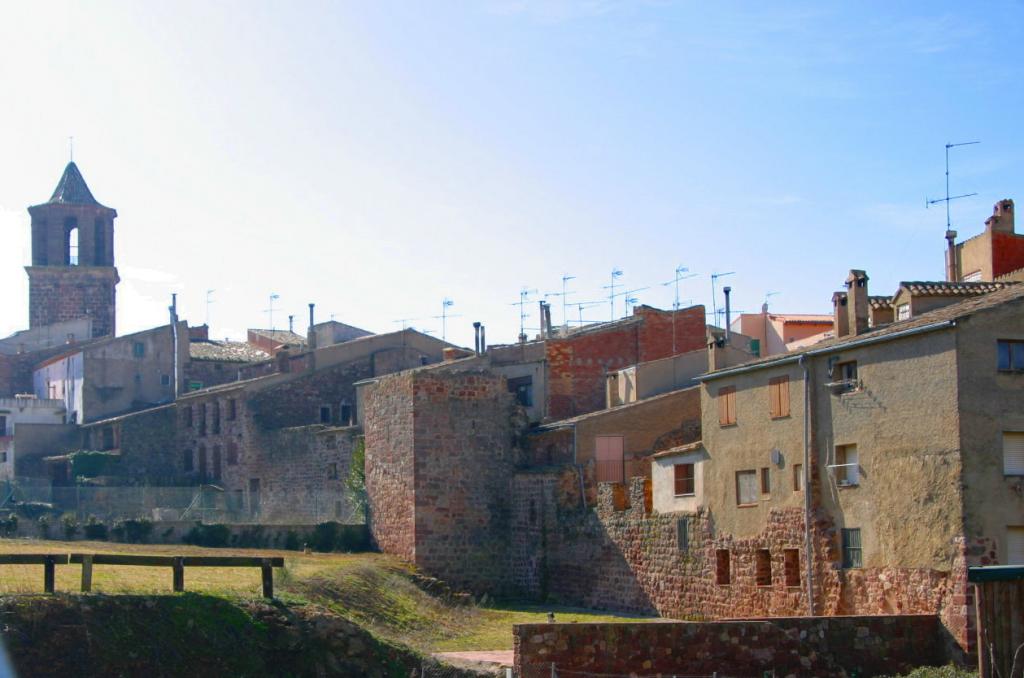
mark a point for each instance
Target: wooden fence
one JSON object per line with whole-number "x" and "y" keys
{"x": 999, "y": 606}
{"x": 49, "y": 561}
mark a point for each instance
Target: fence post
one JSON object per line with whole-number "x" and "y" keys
{"x": 268, "y": 579}
{"x": 49, "y": 567}
{"x": 178, "y": 568}
{"x": 86, "y": 573}
{"x": 553, "y": 674}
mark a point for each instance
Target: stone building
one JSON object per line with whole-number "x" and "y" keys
{"x": 213, "y": 362}
{"x": 24, "y": 420}
{"x": 72, "y": 273}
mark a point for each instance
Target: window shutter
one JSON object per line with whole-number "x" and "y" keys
{"x": 1015, "y": 546}
{"x": 784, "y": 397}
{"x": 727, "y": 405}
{"x": 1013, "y": 453}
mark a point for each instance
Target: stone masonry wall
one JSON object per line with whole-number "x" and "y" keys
{"x": 390, "y": 479}
{"x": 466, "y": 452}
{"x": 298, "y": 402}
{"x": 809, "y": 646}
{"x": 59, "y": 293}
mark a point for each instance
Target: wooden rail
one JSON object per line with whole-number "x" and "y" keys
{"x": 178, "y": 565}
{"x": 49, "y": 561}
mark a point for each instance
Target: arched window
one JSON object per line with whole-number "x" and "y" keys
{"x": 71, "y": 236}
{"x": 99, "y": 244}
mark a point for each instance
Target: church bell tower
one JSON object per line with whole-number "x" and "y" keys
{"x": 72, "y": 273}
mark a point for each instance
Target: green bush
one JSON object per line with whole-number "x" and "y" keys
{"x": 949, "y": 671}
{"x": 291, "y": 541}
{"x": 95, "y": 530}
{"x": 332, "y": 536}
{"x": 355, "y": 481}
{"x": 9, "y": 526}
{"x": 69, "y": 523}
{"x": 89, "y": 463}
{"x": 253, "y": 537}
{"x": 133, "y": 530}
{"x": 214, "y": 535}
{"x": 44, "y": 526}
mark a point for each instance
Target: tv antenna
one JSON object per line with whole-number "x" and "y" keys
{"x": 564, "y": 294}
{"x": 630, "y": 299}
{"x": 209, "y": 300}
{"x": 949, "y": 198}
{"x": 616, "y": 273}
{"x": 769, "y": 295}
{"x": 446, "y": 303}
{"x": 586, "y": 304}
{"x": 714, "y": 292}
{"x": 524, "y": 295}
{"x": 680, "y": 270}
{"x": 270, "y": 310}
{"x": 405, "y": 322}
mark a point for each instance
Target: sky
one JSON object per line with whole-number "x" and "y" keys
{"x": 377, "y": 158}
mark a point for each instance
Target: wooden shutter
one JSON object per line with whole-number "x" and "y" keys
{"x": 609, "y": 458}
{"x": 778, "y": 396}
{"x": 1013, "y": 453}
{"x": 727, "y": 405}
{"x": 1015, "y": 546}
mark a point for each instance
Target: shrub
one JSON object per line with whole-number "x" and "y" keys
{"x": 44, "y": 526}
{"x": 291, "y": 541}
{"x": 95, "y": 530}
{"x": 332, "y": 536}
{"x": 355, "y": 481}
{"x": 214, "y": 535}
{"x": 89, "y": 463}
{"x": 69, "y": 523}
{"x": 9, "y": 526}
{"x": 133, "y": 530}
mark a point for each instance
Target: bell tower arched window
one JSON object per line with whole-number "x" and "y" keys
{"x": 71, "y": 241}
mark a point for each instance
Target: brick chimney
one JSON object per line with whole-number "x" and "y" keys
{"x": 840, "y": 320}
{"x": 857, "y": 304}
{"x": 1002, "y": 217}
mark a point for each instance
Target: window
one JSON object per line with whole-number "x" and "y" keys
{"x": 188, "y": 416}
{"x": 608, "y": 451}
{"x": 202, "y": 463}
{"x": 746, "y": 488}
{"x": 165, "y": 380}
{"x": 216, "y": 416}
{"x": 852, "y": 556}
{"x": 763, "y": 568}
{"x": 766, "y": 482}
{"x": 232, "y": 453}
{"x": 1013, "y": 453}
{"x": 202, "y": 419}
{"x": 778, "y": 397}
{"x": 847, "y": 466}
{"x": 3, "y": 457}
{"x": 332, "y": 471}
{"x": 727, "y": 406}
{"x": 847, "y": 371}
{"x": 684, "y": 479}
{"x": 346, "y": 414}
{"x": 1011, "y": 355}
{"x": 71, "y": 231}
{"x": 232, "y": 411}
{"x": 683, "y": 534}
{"x": 791, "y": 566}
{"x": 522, "y": 387}
{"x": 108, "y": 438}
{"x": 903, "y": 312}
{"x": 216, "y": 462}
{"x": 1015, "y": 545}
{"x": 3, "y": 424}
{"x": 723, "y": 576}
{"x": 325, "y": 414}
{"x": 138, "y": 349}
{"x": 798, "y": 477}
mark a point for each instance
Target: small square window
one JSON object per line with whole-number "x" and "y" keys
{"x": 847, "y": 468}
{"x": 165, "y": 380}
{"x": 791, "y": 566}
{"x": 684, "y": 479}
{"x": 746, "y": 488}
{"x": 332, "y": 471}
{"x": 766, "y": 482}
{"x": 138, "y": 349}
{"x": 1010, "y": 355}
{"x": 683, "y": 534}
{"x": 325, "y": 414}
{"x": 763, "y": 568}
{"x": 852, "y": 554}
{"x": 723, "y": 570}
{"x": 798, "y": 477}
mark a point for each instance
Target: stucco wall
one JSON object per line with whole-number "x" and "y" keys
{"x": 663, "y": 482}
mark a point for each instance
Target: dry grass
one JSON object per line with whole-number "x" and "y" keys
{"x": 237, "y": 582}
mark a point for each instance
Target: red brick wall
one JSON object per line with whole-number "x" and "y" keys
{"x": 1007, "y": 253}
{"x": 578, "y": 364}
{"x": 812, "y": 646}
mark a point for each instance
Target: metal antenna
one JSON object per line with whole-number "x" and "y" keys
{"x": 209, "y": 300}
{"x": 71, "y": 149}
{"x": 524, "y": 295}
{"x": 446, "y": 303}
{"x": 271, "y": 309}
{"x": 680, "y": 270}
{"x": 564, "y": 294}
{"x": 631, "y": 299}
{"x": 769, "y": 295}
{"x": 714, "y": 304}
{"x": 948, "y": 197}
{"x": 405, "y": 322}
{"x": 586, "y": 304}
{"x": 616, "y": 273}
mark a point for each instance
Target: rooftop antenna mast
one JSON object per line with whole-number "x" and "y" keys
{"x": 446, "y": 303}
{"x": 714, "y": 292}
{"x": 767, "y": 296}
{"x": 270, "y": 310}
{"x": 71, "y": 149}
{"x": 586, "y": 304}
{"x": 949, "y": 197}
{"x": 616, "y": 273}
{"x": 629, "y": 299}
{"x": 209, "y": 300}
{"x": 680, "y": 271}
{"x": 524, "y": 295}
{"x": 405, "y": 322}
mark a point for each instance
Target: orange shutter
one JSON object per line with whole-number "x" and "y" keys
{"x": 727, "y": 405}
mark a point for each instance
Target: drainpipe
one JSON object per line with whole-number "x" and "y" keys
{"x": 483, "y": 339}
{"x": 174, "y": 340}
{"x": 476, "y": 337}
{"x": 807, "y": 486}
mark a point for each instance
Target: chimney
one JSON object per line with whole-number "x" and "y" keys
{"x": 728, "y": 312}
{"x": 547, "y": 320}
{"x": 840, "y": 320}
{"x": 1002, "y": 217}
{"x": 543, "y": 335}
{"x": 311, "y": 333}
{"x": 483, "y": 339}
{"x": 857, "y": 305}
{"x": 174, "y": 345}
{"x": 952, "y": 275}
{"x": 476, "y": 337}
{"x": 284, "y": 363}
{"x": 291, "y": 324}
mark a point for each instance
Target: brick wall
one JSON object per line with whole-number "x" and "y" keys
{"x": 579, "y": 363}
{"x": 811, "y": 646}
{"x": 298, "y": 402}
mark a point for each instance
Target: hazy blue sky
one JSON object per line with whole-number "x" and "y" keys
{"x": 376, "y": 157}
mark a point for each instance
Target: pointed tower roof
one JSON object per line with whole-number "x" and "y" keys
{"x": 72, "y": 189}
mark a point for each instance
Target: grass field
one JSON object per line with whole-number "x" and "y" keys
{"x": 374, "y": 590}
